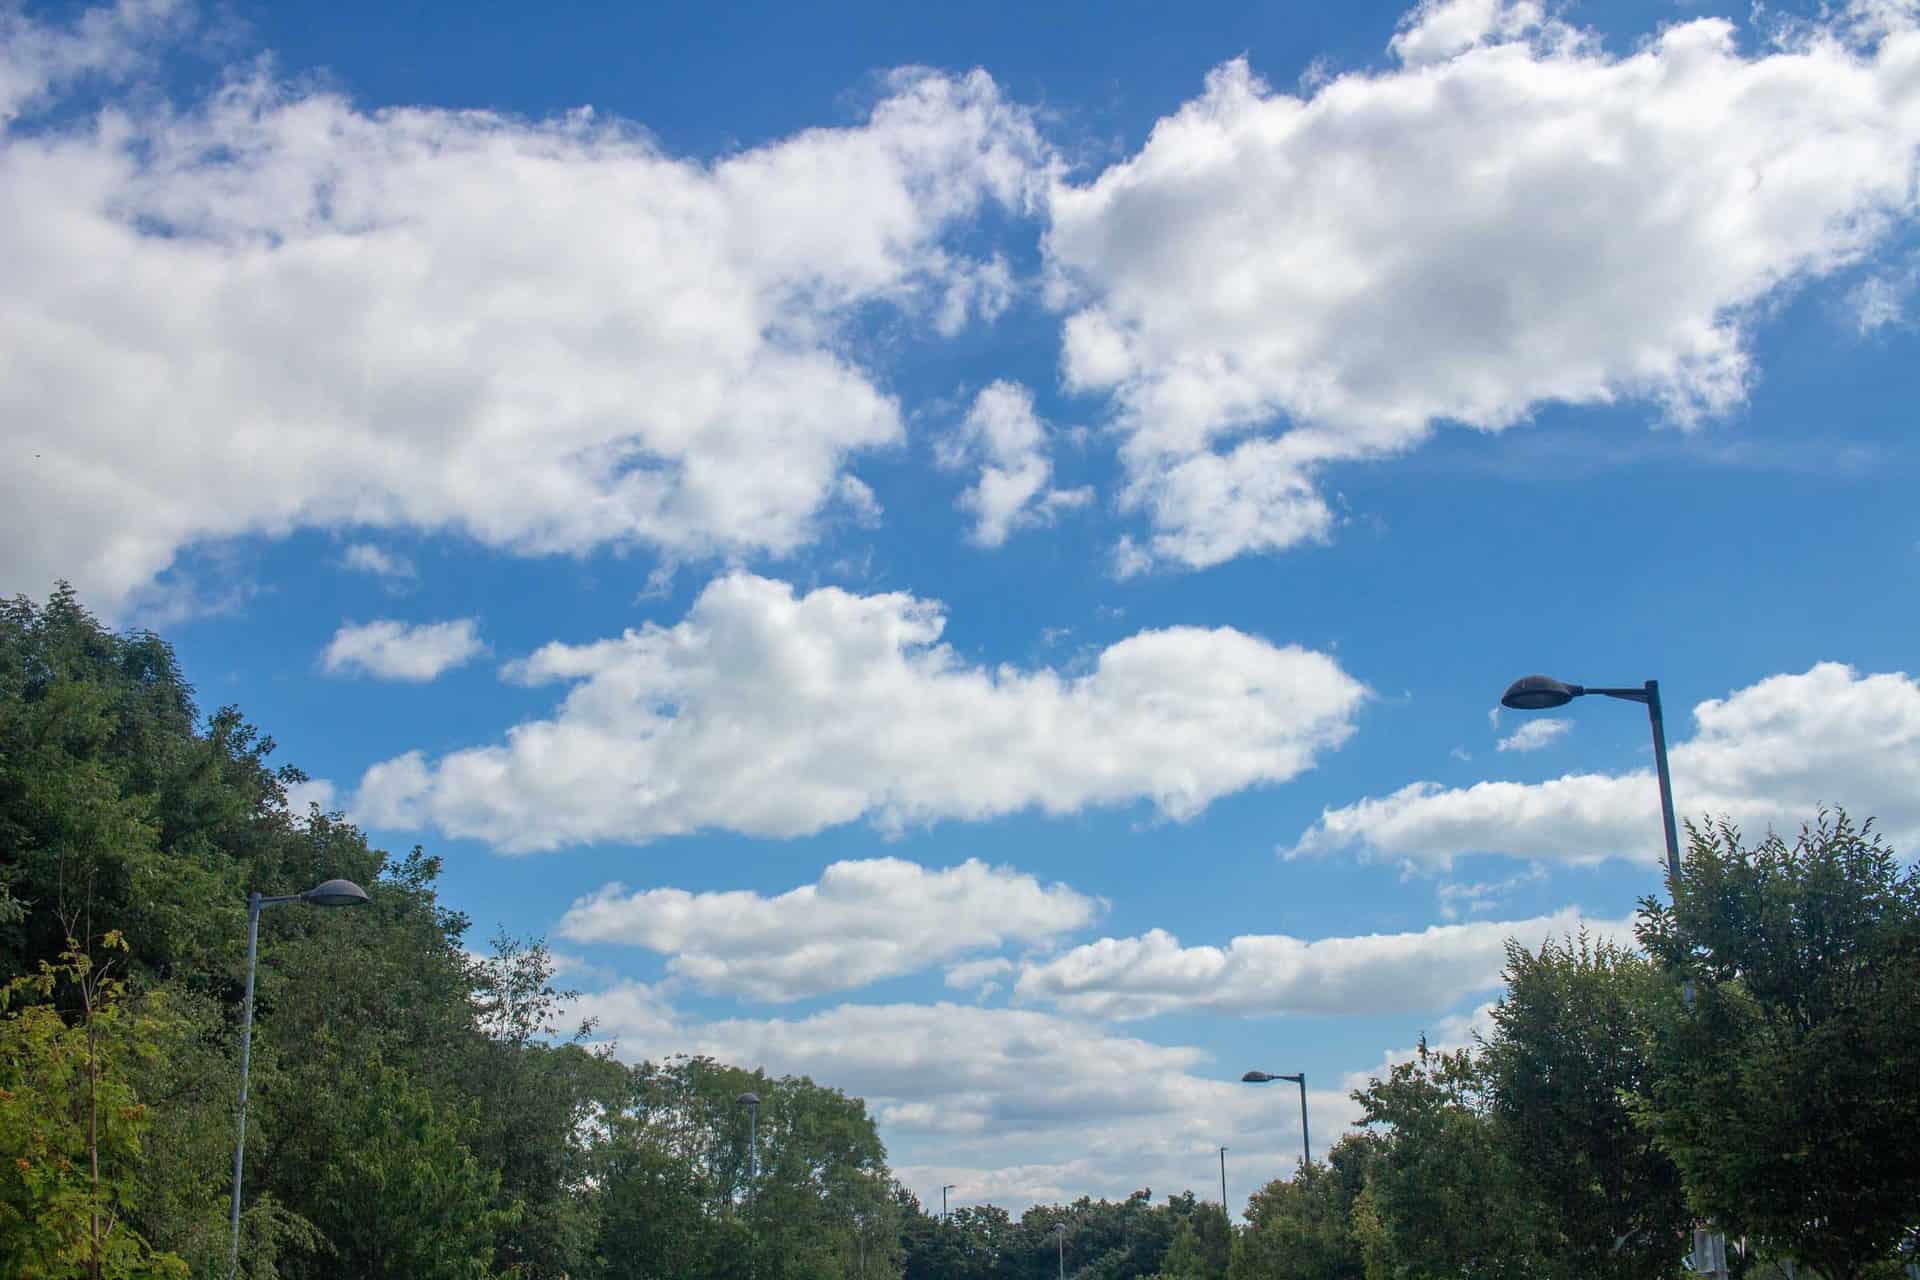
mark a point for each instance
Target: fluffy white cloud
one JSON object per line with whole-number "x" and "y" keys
{"x": 389, "y": 650}
{"x": 773, "y": 714}
{"x": 364, "y": 557}
{"x": 992, "y": 1093}
{"x": 982, "y": 977}
{"x": 1003, "y": 436}
{"x": 862, "y": 922}
{"x": 1475, "y": 896}
{"x": 1272, "y": 973}
{"x": 1538, "y": 732}
{"x": 546, "y": 335}
{"x": 302, "y": 795}
{"x": 1766, "y": 755}
{"x": 1511, "y": 217}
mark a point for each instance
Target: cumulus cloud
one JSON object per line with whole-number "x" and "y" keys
{"x": 1512, "y": 216}
{"x": 1532, "y": 735}
{"x": 364, "y": 557}
{"x": 1767, "y": 755}
{"x": 979, "y": 976}
{"x": 775, "y": 714}
{"x": 1259, "y": 974}
{"x": 548, "y": 336}
{"x": 1475, "y": 896}
{"x": 1881, "y": 299}
{"x": 987, "y": 1091}
{"x": 302, "y": 795}
{"x": 860, "y": 923}
{"x": 390, "y": 650}
{"x": 1005, "y": 439}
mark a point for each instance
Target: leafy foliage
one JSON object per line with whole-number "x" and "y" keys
{"x": 1571, "y": 1045}
{"x": 1777, "y": 1089}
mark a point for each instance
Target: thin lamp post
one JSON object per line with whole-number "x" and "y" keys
{"x": 1223, "y": 1188}
{"x": 944, "y": 1216}
{"x": 1262, "y": 1077}
{"x": 1542, "y": 693}
{"x": 751, "y": 1101}
{"x": 330, "y": 893}
{"x": 1060, "y": 1235}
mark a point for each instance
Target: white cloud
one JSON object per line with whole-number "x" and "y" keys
{"x": 364, "y": 557}
{"x": 1881, "y": 299}
{"x": 979, "y": 976}
{"x": 862, "y": 922}
{"x": 1481, "y": 895}
{"x": 390, "y": 650}
{"x": 773, "y": 714}
{"x": 1533, "y": 734}
{"x": 988, "y": 1093}
{"x": 313, "y": 791}
{"x": 1769, "y": 754}
{"x": 1437, "y": 30}
{"x": 1512, "y": 217}
{"x": 1263, "y": 974}
{"x": 1003, "y": 436}
{"x": 39, "y": 59}
{"x": 548, "y": 336}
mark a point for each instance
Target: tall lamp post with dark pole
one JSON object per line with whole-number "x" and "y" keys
{"x": 944, "y": 1215}
{"x": 751, "y": 1101}
{"x": 1262, "y": 1077}
{"x": 330, "y": 893}
{"x": 1543, "y": 693}
{"x": 1223, "y": 1188}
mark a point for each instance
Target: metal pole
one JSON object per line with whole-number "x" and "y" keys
{"x": 1666, "y": 783}
{"x": 1223, "y": 1187}
{"x": 1060, "y": 1234}
{"x": 246, "y": 1055}
{"x": 753, "y": 1171}
{"x": 1305, "y": 1146}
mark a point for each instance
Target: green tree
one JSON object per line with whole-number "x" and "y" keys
{"x": 1201, "y": 1248}
{"x": 1779, "y": 1087}
{"x": 1301, "y": 1228}
{"x": 406, "y": 1198}
{"x": 71, "y": 1125}
{"x": 1570, "y": 1045}
{"x": 1441, "y": 1198}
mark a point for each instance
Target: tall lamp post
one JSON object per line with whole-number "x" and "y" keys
{"x": 1262, "y": 1077}
{"x": 1060, "y": 1235}
{"x": 1223, "y": 1188}
{"x": 944, "y": 1216}
{"x": 751, "y": 1101}
{"x": 330, "y": 893}
{"x": 1543, "y": 693}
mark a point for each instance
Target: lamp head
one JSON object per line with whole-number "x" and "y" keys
{"x": 1257, "y": 1077}
{"x": 335, "y": 893}
{"x": 1539, "y": 693}
{"x": 748, "y": 1100}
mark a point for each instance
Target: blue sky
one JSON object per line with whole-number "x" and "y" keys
{"x": 976, "y": 562}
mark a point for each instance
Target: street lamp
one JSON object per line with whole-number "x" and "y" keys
{"x": 1060, "y": 1234}
{"x": 1223, "y": 1188}
{"x": 1262, "y": 1077}
{"x": 944, "y": 1216}
{"x": 1541, "y": 693}
{"x": 751, "y": 1101}
{"x": 328, "y": 893}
